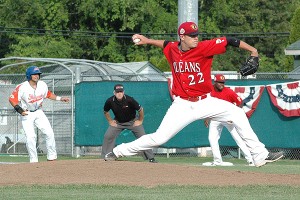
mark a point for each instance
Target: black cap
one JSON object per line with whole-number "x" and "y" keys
{"x": 119, "y": 88}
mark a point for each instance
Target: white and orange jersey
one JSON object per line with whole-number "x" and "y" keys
{"x": 31, "y": 99}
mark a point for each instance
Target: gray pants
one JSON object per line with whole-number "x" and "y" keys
{"x": 113, "y": 132}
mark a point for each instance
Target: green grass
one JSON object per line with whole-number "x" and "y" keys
{"x": 284, "y": 166}
{"x": 25, "y": 158}
{"x": 173, "y": 192}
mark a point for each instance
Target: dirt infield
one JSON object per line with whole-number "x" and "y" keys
{"x": 97, "y": 171}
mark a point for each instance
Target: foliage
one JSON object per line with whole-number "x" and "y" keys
{"x": 41, "y": 46}
{"x": 102, "y": 29}
{"x": 254, "y": 16}
{"x": 294, "y": 36}
{"x": 295, "y": 30}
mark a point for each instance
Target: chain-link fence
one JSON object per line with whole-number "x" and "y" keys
{"x": 12, "y": 136}
{"x": 61, "y": 115}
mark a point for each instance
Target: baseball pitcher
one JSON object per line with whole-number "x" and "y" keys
{"x": 190, "y": 62}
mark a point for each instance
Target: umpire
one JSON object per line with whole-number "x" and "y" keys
{"x": 124, "y": 108}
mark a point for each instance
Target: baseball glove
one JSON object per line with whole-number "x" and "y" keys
{"x": 250, "y": 66}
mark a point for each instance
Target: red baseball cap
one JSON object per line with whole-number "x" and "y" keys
{"x": 188, "y": 28}
{"x": 219, "y": 78}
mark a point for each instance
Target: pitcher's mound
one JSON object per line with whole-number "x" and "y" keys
{"x": 97, "y": 171}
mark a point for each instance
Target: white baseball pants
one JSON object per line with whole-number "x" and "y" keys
{"x": 183, "y": 112}
{"x": 215, "y": 130}
{"x": 38, "y": 119}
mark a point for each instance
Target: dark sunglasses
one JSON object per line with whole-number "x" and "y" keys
{"x": 193, "y": 36}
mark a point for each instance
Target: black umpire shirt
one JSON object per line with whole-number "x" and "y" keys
{"x": 124, "y": 110}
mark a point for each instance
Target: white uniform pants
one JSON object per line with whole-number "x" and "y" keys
{"x": 38, "y": 119}
{"x": 183, "y": 112}
{"x": 215, "y": 130}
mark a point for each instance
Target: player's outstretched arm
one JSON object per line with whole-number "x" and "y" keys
{"x": 58, "y": 98}
{"x": 245, "y": 46}
{"x": 65, "y": 99}
{"x": 140, "y": 40}
{"x": 252, "y": 63}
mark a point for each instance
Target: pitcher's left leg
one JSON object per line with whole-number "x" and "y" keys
{"x": 240, "y": 142}
{"x": 241, "y": 123}
{"x": 227, "y": 112}
{"x": 179, "y": 115}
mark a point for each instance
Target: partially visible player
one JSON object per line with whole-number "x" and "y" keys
{"x": 215, "y": 127}
{"x": 190, "y": 62}
{"x": 27, "y": 100}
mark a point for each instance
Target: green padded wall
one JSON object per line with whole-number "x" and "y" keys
{"x": 272, "y": 128}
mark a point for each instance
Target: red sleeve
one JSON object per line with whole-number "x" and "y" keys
{"x": 49, "y": 93}
{"x": 214, "y": 46}
{"x": 235, "y": 98}
{"x": 14, "y": 95}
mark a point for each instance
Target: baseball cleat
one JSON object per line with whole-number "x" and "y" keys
{"x": 273, "y": 157}
{"x": 110, "y": 157}
{"x": 152, "y": 160}
{"x": 260, "y": 164}
{"x": 251, "y": 164}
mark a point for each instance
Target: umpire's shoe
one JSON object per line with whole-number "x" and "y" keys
{"x": 110, "y": 157}
{"x": 152, "y": 160}
{"x": 272, "y": 157}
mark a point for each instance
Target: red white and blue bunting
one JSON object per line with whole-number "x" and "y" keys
{"x": 251, "y": 96}
{"x": 286, "y": 97}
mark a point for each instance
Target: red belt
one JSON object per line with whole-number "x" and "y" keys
{"x": 195, "y": 99}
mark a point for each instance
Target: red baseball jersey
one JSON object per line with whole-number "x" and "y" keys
{"x": 227, "y": 94}
{"x": 191, "y": 70}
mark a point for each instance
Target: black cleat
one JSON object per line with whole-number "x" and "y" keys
{"x": 152, "y": 160}
{"x": 110, "y": 157}
{"x": 272, "y": 157}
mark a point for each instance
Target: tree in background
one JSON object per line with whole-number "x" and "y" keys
{"x": 256, "y": 17}
{"x": 295, "y": 27}
{"x": 102, "y": 29}
{"x": 33, "y": 18}
{"x": 294, "y": 37}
